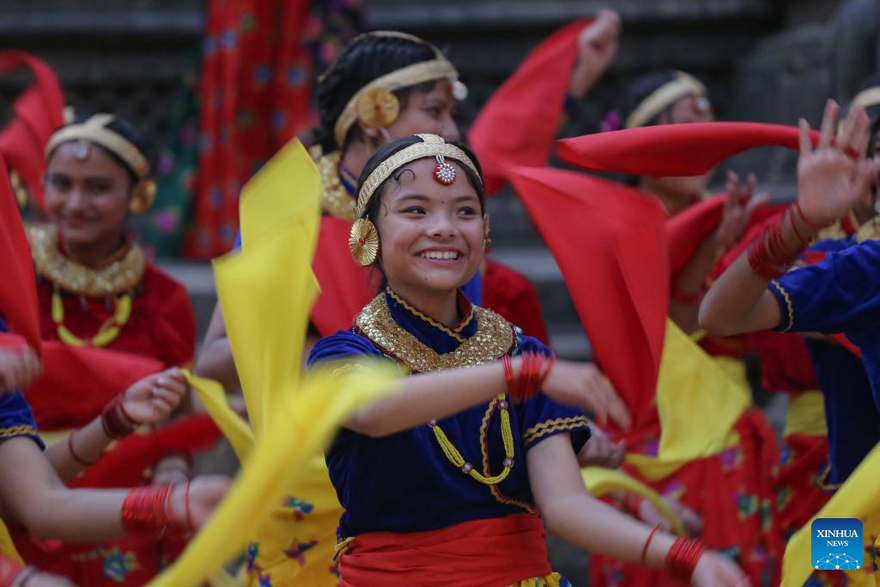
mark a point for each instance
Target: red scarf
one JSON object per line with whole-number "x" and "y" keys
{"x": 495, "y": 551}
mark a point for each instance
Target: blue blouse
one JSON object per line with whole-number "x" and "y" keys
{"x": 404, "y": 482}
{"x": 15, "y": 413}
{"x": 853, "y": 430}
{"x": 839, "y": 294}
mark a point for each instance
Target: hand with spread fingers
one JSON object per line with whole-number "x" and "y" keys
{"x": 833, "y": 175}
{"x": 741, "y": 203}
{"x": 18, "y": 368}
{"x": 152, "y": 399}
{"x": 584, "y": 385}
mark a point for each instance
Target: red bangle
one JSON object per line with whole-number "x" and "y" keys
{"x": 148, "y": 511}
{"x": 803, "y": 217}
{"x": 797, "y": 232}
{"x": 768, "y": 255}
{"x": 116, "y": 423}
{"x": 75, "y": 456}
{"x": 647, "y": 543}
{"x": 189, "y": 522}
{"x": 682, "y": 558}
{"x": 9, "y": 571}
{"x": 550, "y": 362}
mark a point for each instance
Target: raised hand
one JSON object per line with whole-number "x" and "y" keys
{"x": 741, "y": 203}
{"x": 18, "y": 368}
{"x": 832, "y": 176}
{"x": 152, "y": 399}
{"x": 597, "y": 46}
{"x": 583, "y": 385}
{"x": 717, "y": 570}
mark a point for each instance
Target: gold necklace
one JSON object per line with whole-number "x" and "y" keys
{"x": 335, "y": 199}
{"x": 869, "y": 230}
{"x": 108, "y": 331}
{"x": 117, "y": 277}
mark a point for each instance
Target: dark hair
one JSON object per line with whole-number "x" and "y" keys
{"x": 639, "y": 90}
{"x": 129, "y": 132}
{"x": 372, "y": 209}
{"x": 365, "y": 59}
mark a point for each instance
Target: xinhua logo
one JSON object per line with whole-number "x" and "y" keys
{"x": 836, "y": 544}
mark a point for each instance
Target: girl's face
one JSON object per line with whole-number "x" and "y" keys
{"x": 87, "y": 194}
{"x": 427, "y": 112}
{"x": 430, "y": 234}
{"x": 685, "y": 110}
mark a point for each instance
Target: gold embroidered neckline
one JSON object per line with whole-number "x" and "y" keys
{"x": 869, "y": 230}
{"x": 117, "y": 277}
{"x": 494, "y": 338}
{"x": 335, "y": 200}
{"x": 452, "y": 333}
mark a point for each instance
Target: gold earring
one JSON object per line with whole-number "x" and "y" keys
{"x": 378, "y": 107}
{"x": 142, "y": 196}
{"x": 363, "y": 242}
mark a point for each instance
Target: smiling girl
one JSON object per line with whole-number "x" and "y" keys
{"x": 442, "y": 482}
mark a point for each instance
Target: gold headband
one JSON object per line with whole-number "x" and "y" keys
{"x": 376, "y": 95}
{"x": 866, "y": 98}
{"x": 94, "y": 130}
{"x": 663, "y": 97}
{"x": 431, "y": 146}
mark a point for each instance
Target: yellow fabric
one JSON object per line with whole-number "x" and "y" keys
{"x": 858, "y": 497}
{"x": 553, "y": 580}
{"x": 601, "y": 481}
{"x": 806, "y": 414}
{"x": 698, "y": 404}
{"x": 296, "y": 430}
{"x": 236, "y": 430}
{"x": 266, "y": 290}
{"x": 7, "y": 547}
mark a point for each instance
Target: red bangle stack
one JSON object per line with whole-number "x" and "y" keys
{"x": 147, "y": 511}
{"x": 769, "y": 257}
{"x": 682, "y": 558}
{"x": 9, "y": 571}
{"x": 532, "y": 375}
{"x": 115, "y": 421}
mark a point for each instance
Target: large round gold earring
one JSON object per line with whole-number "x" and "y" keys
{"x": 142, "y": 196}
{"x": 378, "y": 107}
{"x": 363, "y": 242}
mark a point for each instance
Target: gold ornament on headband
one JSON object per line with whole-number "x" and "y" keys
{"x": 431, "y": 146}
{"x": 681, "y": 85}
{"x": 378, "y": 107}
{"x": 363, "y": 242}
{"x": 411, "y": 75}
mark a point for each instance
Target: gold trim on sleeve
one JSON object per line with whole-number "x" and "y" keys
{"x": 550, "y": 426}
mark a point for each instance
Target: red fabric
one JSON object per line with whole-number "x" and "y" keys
{"x": 732, "y": 492}
{"x": 39, "y": 111}
{"x": 18, "y": 299}
{"x": 798, "y": 495}
{"x": 254, "y": 93}
{"x": 519, "y": 122}
{"x": 496, "y": 551}
{"x": 513, "y": 296}
{"x": 78, "y": 382}
{"x": 605, "y": 233}
{"x": 162, "y": 324}
{"x": 345, "y": 286}
{"x": 671, "y": 150}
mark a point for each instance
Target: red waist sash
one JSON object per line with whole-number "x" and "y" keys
{"x": 479, "y": 553}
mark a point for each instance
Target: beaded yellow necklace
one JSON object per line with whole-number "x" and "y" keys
{"x": 493, "y": 339}
{"x": 108, "y": 331}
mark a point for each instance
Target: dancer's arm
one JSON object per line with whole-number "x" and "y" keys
{"x": 421, "y": 398}
{"x": 215, "y": 360}
{"x": 32, "y": 494}
{"x": 829, "y": 182}
{"x": 575, "y": 516}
